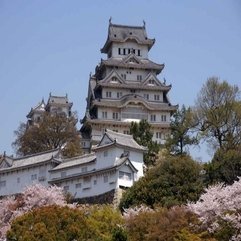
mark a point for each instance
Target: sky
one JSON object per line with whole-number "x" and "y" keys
{"x": 53, "y": 46}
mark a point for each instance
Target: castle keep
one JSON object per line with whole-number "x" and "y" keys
{"x": 125, "y": 88}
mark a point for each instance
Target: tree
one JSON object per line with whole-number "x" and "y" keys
{"x": 52, "y": 131}
{"x": 219, "y": 210}
{"x": 55, "y": 223}
{"x": 180, "y": 138}
{"x": 163, "y": 224}
{"x": 225, "y": 167}
{"x": 34, "y": 196}
{"x": 143, "y": 136}
{"x": 218, "y": 114}
{"x": 173, "y": 181}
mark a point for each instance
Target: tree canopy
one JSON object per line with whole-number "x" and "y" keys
{"x": 142, "y": 134}
{"x": 174, "y": 180}
{"x": 51, "y": 132}
{"x": 54, "y": 223}
{"x": 181, "y": 136}
{"x": 218, "y": 113}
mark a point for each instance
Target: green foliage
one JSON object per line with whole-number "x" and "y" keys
{"x": 103, "y": 220}
{"x": 55, "y": 223}
{"x": 224, "y": 167}
{"x": 163, "y": 225}
{"x": 175, "y": 180}
{"x": 181, "y": 124}
{"x": 49, "y": 223}
{"x": 51, "y": 132}
{"x": 119, "y": 234}
{"x": 218, "y": 114}
{"x": 142, "y": 134}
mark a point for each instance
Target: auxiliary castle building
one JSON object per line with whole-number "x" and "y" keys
{"x": 125, "y": 88}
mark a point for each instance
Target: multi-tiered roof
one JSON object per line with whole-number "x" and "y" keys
{"x": 126, "y": 78}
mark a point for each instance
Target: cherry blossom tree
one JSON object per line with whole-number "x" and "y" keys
{"x": 220, "y": 207}
{"x": 32, "y": 197}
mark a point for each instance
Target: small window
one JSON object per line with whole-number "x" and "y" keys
{"x": 123, "y": 76}
{"x": 146, "y": 96}
{"x": 139, "y": 77}
{"x": 164, "y": 118}
{"x": 139, "y": 52}
{"x": 153, "y": 118}
{"x": 119, "y": 95}
{"x": 66, "y": 188}
{"x": 125, "y": 175}
{"x": 105, "y": 179}
{"x": 119, "y": 51}
{"x": 84, "y": 169}
{"x": 156, "y": 97}
{"x": 18, "y": 180}
{"x": 115, "y": 115}
{"x": 126, "y": 132}
{"x": 95, "y": 182}
{"x": 114, "y": 79}
{"x": 151, "y": 81}
{"x": 78, "y": 185}
{"x": 158, "y": 135}
{"x": 33, "y": 177}
{"x": 108, "y": 94}
{"x": 104, "y": 114}
{"x": 133, "y": 91}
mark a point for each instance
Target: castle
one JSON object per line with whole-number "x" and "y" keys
{"x": 124, "y": 88}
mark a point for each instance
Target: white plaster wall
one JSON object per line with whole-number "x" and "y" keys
{"x": 106, "y": 157}
{"x": 12, "y": 185}
{"x": 72, "y": 170}
{"x": 96, "y": 186}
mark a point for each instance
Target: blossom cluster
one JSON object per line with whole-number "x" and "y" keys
{"x": 220, "y": 203}
{"x": 32, "y": 197}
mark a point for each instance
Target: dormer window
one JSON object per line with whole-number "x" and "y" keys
{"x": 151, "y": 81}
{"x": 114, "y": 79}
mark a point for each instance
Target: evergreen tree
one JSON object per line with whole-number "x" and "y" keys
{"x": 180, "y": 138}
{"x": 142, "y": 134}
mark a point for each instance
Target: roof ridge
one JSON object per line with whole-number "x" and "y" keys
{"x": 127, "y": 26}
{"x": 118, "y": 133}
{"x": 36, "y": 154}
{"x": 79, "y": 157}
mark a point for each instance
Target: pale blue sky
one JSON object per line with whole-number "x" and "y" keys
{"x": 52, "y": 46}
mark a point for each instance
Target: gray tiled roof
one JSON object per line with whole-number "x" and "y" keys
{"x": 76, "y": 161}
{"x": 32, "y": 159}
{"x": 120, "y": 33}
{"x": 116, "y": 166}
{"x": 144, "y": 64}
{"x": 40, "y": 107}
{"x": 120, "y": 103}
{"x": 61, "y": 100}
{"x": 123, "y": 140}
